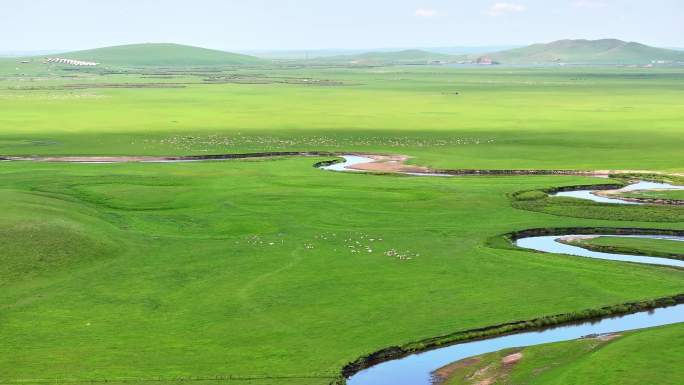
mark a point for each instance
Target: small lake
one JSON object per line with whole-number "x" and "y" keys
{"x": 417, "y": 369}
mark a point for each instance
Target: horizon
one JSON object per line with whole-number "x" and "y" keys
{"x": 456, "y": 50}
{"x": 308, "y": 25}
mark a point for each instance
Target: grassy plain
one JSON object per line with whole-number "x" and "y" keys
{"x": 268, "y": 267}
{"x": 272, "y": 268}
{"x": 521, "y": 118}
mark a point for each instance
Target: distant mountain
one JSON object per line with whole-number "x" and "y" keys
{"x": 605, "y": 51}
{"x": 152, "y": 54}
{"x": 346, "y": 53}
{"x": 410, "y": 56}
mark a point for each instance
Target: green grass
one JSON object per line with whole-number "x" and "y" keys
{"x": 641, "y": 246}
{"x": 245, "y": 267}
{"x": 521, "y": 118}
{"x": 644, "y": 357}
{"x": 262, "y": 268}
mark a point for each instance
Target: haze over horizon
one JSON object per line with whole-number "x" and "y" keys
{"x": 255, "y": 25}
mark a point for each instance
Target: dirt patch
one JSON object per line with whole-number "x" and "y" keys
{"x": 570, "y": 239}
{"x": 444, "y": 373}
{"x": 477, "y": 376}
{"x": 512, "y": 359}
{"x": 486, "y": 381}
{"x": 608, "y": 337}
{"x": 389, "y": 163}
{"x": 497, "y": 370}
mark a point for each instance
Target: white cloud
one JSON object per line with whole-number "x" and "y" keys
{"x": 425, "y": 12}
{"x": 589, "y": 4}
{"x": 499, "y": 9}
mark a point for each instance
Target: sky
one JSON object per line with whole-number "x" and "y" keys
{"x": 242, "y": 25}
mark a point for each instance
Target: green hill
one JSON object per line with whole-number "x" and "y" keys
{"x": 605, "y": 51}
{"x": 411, "y": 56}
{"x": 161, "y": 55}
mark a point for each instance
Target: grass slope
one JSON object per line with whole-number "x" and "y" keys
{"x": 605, "y": 51}
{"x": 152, "y": 54}
{"x": 648, "y": 356}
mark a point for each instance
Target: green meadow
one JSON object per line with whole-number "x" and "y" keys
{"x": 271, "y": 271}
{"x": 446, "y": 118}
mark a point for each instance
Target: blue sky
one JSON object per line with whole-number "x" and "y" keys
{"x": 321, "y": 24}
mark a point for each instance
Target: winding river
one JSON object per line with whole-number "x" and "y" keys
{"x": 418, "y": 369}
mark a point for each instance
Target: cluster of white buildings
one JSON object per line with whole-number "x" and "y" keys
{"x": 60, "y": 60}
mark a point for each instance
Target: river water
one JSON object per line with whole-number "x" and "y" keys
{"x": 417, "y": 369}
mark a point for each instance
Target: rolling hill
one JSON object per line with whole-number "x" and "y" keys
{"x": 152, "y": 54}
{"x": 604, "y": 51}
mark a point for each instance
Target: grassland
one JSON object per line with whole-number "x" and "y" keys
{"x": 540, "y": 118}
{"x": 272, "y": 269}
{"x": 264, "y": 268}
{"x": 604, "y": 360}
